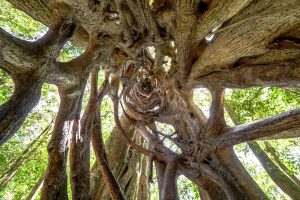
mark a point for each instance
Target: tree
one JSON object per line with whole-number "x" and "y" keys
{"x": 255, "y": 44}
{"x": 286, "y": 183}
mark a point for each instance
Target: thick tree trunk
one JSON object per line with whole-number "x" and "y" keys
{"x": 143, "y": 189}
{"x": 13, "y": 113}
{"x": 243, "y": 182}
{"x": 36, "y": 188}
{"x": 55, "y": 183}
{"x": 257, "y": 44}
{"x": 169, "y": 187}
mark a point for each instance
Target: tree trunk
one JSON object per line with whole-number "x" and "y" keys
{"x": 36, "y": 188}
{"x": 127, "y": 172}
{"x": 80, "y": 154}
{"x": 55, "y": 183}
{"x": 13, "y": 113}
{"x": 226, "y": 178}
{"x": 255, "y": 44}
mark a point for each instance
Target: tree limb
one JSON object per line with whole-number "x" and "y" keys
{"x": 282, "y": 74}
{"x": 15, "y": 56}
{"x": 260, "y": 128}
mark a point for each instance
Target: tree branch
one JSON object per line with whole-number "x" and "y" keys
{"x": 216, "y": 119}
{"x": 15, "y": 110}
{"x": 123, "y": 133}
{"x": 270, "y": 20}
{"x": 97, "y": 139}
{"x": 15, "y": 56}
{"x": 80, "y": 153}
{"x": 42, "y": 11}
{"x": 260, "y": 128}
{"x": 281, "y": 73}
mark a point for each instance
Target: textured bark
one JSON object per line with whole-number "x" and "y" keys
{"x": 43, "y": 11}
{"x": 94, "y": 111}
{"x": 55, "y": 183}
{"x": 266, "y": 17}
{"x": 169, "y": 187}
{"x": 29, "y": 64}
{"x": 256, "y": 44}
{"x": 127, "y": 172}
{"x": 80, "y": 156}
{"x": 261, "y": 128}
{"x": 15, "y": 110}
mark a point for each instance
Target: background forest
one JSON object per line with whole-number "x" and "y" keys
{"x": 23, "y": 160}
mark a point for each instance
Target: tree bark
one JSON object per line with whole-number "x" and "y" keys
{"x": 261, "y": 128}
{"x": 55, "y": 183}
{"x": 169, "y": 187}
{"x": 80, "y": 153}
{"x": 126, "y": 172}
{"x": 43, "y": 11}
{"x": 15, "y": 110}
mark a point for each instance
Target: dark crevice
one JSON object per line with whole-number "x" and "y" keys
{"x": 93, "y": 4}
{"x": 127, "y": 185}
{"x": 202, "y": 6}
{"x": 124, "y": 171}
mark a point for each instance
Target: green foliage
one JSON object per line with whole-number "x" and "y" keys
{"x": 69, "y": 52}
{"x": 6, "y": 87}
{"x": 187, "y": 189}
{"x": 18, "y": 23}
{"x": 256, "y": 103}
{"x": 249, "y": 105}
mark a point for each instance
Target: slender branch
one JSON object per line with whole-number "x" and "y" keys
{"x": 282, "y": 180}
{"x": 36, "y": 188}
{"x": 123, "y": 133}
{"x": 26, "y": 154}
{"x": 260, "y": 128}
{"x": 80, "y": 153}
{"x": 273, "y": 152}
{"x": 216, "y": 119}
{"x": 97, "y": 139}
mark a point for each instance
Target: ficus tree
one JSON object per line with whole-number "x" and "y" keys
{"x": 153, "y": 54}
